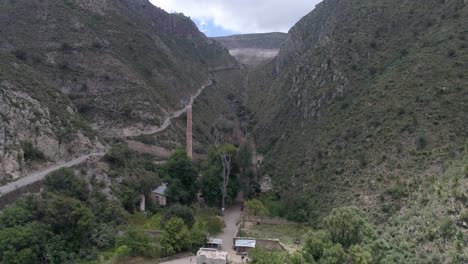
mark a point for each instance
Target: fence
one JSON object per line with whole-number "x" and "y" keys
{"x": 265, "y": 220}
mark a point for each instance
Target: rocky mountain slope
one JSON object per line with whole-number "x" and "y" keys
{"x": 72, "y": 70}
{"x": 253, "y": 49}
{"x": 366, "y": 105}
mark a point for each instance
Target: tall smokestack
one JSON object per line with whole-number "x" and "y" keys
{"x": 189, "y": 132}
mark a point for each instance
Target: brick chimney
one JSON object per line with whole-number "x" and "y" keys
{"x": 189, "y": 132}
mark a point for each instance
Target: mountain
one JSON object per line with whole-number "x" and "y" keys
{"x": 75, "y": 72}
{"x": 366, "y": 105}
{"x": 253, "y": 49}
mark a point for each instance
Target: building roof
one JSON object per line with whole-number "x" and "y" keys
{"x": 215, "y": 241}
{"x": 211, "y": 253}
{"x": 161, "y": 189}
{"x": 250, "y": 243}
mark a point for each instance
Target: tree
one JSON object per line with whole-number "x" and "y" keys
{"x": 65, "y": 182}
{"x": 315, "y": 245}
{"x": 68, "y": 217}
{"x": 22, "y": 244}
{"x": 360, "y": 254}
{"x": 256, "y": 207}
{"x": 333, "y": 255}
{"x": 15, "y": 215}
{"x": 183, "y": 178}
{"x": 175, "y": 237}
{"x": 180, "y": 211}
{"x": 244, "y": 160}
{"x": 348, "y": 226}
{"x": 211, "y": 182}
{"x": 135, "y": 243}
{"x": 226, "y": 151}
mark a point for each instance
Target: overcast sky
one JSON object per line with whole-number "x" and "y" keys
{"x": 225, "y": 17}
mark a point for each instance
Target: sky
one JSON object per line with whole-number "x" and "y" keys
{"x": 227, "y": 17}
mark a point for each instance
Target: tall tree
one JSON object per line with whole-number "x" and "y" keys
{"x": 183, "y": 178}
{"x": 226, "y": 152}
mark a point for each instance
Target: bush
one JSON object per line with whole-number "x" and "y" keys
{"x": 118, "y": 156}
{"x": 20, "y": 54}
{"x": 103, "y": 236}
{"x": 65, "y": 182}
{"x": 136, "y": 243}
{"x": 447, "y": 229}
{"x": 451, "y": 53}
{"x": 30, "y": 152}
{"x": 175, "y": 237}
{"x": 214, "y": 225}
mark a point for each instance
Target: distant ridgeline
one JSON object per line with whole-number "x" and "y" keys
{"x": 253, "y": 49}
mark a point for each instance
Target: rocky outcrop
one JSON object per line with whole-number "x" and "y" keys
{"x": 363, "y": 92}
{"x": 72, "y": 71}
{"x": 121, "y": 63}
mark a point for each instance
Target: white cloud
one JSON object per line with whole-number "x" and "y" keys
{"x": 244, "y": 16}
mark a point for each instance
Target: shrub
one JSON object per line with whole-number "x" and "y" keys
{"x": 30, "y": 152}
{"x": 65, "y": 182}
{"x": 118, "y": 156}
{"x": 20, "y": 54}
{"x": 214, "y": 225}
{"x": 451, "y": 53}
{"x": 421, "y": 142}
{"x": 404, "y": 52}
{"x": 175, "y": 237}
{"x": 103, "y": 236}
{"x": 135, "y": 243}
{"x": 447, "y": 228}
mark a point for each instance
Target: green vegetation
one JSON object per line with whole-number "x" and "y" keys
{"x": 211, "y": 182}
{"x": 182, "y": 175}
{"x": 255, "y": 207}
{"x": 31, "y": 153}
{"x": 65, "y": 223}
{"x": 288, "y": 234}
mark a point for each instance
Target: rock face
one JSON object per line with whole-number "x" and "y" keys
{"x": 75, "y": 69}
{"x": 253, "y": 49}
{"x": 37, "y": 124}
{"x": 363, "y": 95}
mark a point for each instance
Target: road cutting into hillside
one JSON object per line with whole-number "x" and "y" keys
{"x": 134, "y": 132}
{"x": 40, "y": 175}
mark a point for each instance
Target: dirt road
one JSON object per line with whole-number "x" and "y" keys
{"x": 37, "y": 176}
{"x": 231, "y": 219}
{"x": 40, "y": 175}
{"x": 133, "y": 132}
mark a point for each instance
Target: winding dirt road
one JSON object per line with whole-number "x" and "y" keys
{"x": 40, "y": 175}
{"x": 134, "y": 132}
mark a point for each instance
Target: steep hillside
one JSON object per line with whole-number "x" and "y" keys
{"x": 365, "y": 103}
{"x": 117, "y": 67}
{"x": 253, "y": 49}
